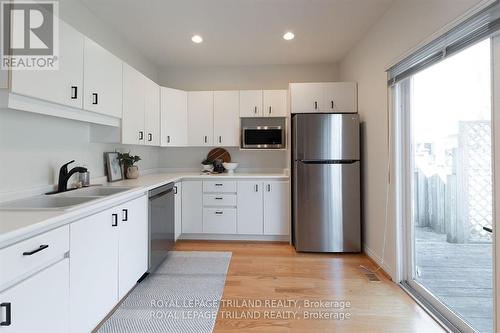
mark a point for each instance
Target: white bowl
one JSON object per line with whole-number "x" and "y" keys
{"x": 230, "y": 166}
{"x": 207, "y": 167}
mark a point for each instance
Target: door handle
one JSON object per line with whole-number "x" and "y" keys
{"x": 8, "y": 314}
{"x": 124, "y": 215}
{"x": 41, "y": 248}
{"x": 332, "y": 104}
{"x": 168, "y": 138}
{"x": 206, "y": 139}
{"x": 255, "y": 110}
{"x": 141, "y": 135}
{"x": 270, "y": 109}
{"x": 220, "y": 139}
{"x": 114, "y": 220}
{"x": 94, "y": 98}
{"x": 315, "y": 105}
{"x": 74, "y": 92}
{"x": 175, "y": 189}
{"x": 256, "y": 188}
{"x": 268, "y": 187}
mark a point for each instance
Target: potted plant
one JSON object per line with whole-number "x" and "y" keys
{"x": 207, "y": 165}
{"x": 128, "y": 161}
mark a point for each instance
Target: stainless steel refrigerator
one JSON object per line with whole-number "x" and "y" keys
{"x": 326, "y": 183}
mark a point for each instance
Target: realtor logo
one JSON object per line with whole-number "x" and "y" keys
{"x": 29, "y": 35}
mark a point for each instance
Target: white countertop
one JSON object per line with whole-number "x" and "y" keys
{"x": 17, "y": 225}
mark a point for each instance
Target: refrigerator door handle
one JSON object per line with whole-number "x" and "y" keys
{"x": 328, "y": 161}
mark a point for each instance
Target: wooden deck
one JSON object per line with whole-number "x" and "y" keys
{"x": 460, "y": 275}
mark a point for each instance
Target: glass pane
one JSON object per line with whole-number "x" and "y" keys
{"x": 452, "y": 183}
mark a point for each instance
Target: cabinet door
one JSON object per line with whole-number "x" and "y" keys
{"x": 40, "y": 303}
{"x": 276, "y": 208}
{"x": 192, "y": 206}
{"x": 306, "y": 97}
{"x": 63, "y": 86}
{"x": 133, "y": 243}
{"x": 226, "y": 119}
{"x": 174, "y": 119}
{"x": 340, "y": 97}
{"x": 152, "y": 113}
{"x": 133, "y": 107}
{"x": 178, "y": 210}
{"x": 250, "y": 208}
{"x": 275, "y": 103}
{"x": 102, "y": 80}
{"x": 250, "y": 103}
{"x": 200, "y": 118}
{"x": 93, "y": 269}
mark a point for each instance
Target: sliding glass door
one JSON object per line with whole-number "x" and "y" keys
{"x": 447, "y": 132}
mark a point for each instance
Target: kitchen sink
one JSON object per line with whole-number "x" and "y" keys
{"x": 92, "y": 191}
{"x": 44, "y": 202}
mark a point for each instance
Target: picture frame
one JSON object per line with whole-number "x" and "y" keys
{"x": 113, "y": 167}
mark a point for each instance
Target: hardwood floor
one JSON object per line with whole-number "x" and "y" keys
{"x": 274, "y": 271}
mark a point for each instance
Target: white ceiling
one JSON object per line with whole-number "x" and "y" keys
{"x": 240, "y": 32}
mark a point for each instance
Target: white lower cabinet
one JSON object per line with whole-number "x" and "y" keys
{"x": 192, "y": 206}
{"x": 219, "y": 220}
{"x": 250, "y": 208}
{"x": 38, "y": 304}
{"x": 108, "y": 254}
{"x": 276, "y": 208}
{"x": 178, "y": 210}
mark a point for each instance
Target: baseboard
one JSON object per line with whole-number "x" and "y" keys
{"x": 375, "y": 258}
{"x": 223, "y": 237}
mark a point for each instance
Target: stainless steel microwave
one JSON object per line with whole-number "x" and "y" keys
{"x": 263, "y": 137}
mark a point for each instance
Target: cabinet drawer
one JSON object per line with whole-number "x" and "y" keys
{"x": 219, "y": 200}
{"x": 33, "y": 254}
{"x": 219, "y": 186}
{"x": 219, "y": 220}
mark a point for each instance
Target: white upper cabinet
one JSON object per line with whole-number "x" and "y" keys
{"x": 323, "y": 97}
{"x": 340, "y": 97}
{"x": 63, "y": 86}
{"x": 200, "y": 118}
{"x": 275, "y": 103}
{"x": 306, "y": 97}
{"x": 152, "y": 113}
{"x": 102, "y": 85}
{"x": 174, "y": 119}
{"x": 226, "y": 119}
{"x": 250, "y": 103}
{"x": 133, "y": 107}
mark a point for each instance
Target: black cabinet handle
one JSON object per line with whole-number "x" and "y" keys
{"x": 219, "y": 213}
{"x": 219, "y": 198}
{"x": 150, "y": 137}
{"x": 168, "y": 138}
{"x": 268, "y": 187}
{"x": 270, "y": 109}
{"x": 219, "y": 184}
{"x": 488, "y": 229}
{"x": 175, "y": 189}
{"x": 94, "y": 98}
{"x": 114, "y": 220}
{"x": 41, "y": 248}
{"x": 124, "y": 215}
{"x": 74, "y": 92}
{"x": 220, "y": 139}
{"x": 141, "y": 135}
{"x": 332, "y": 104}
{"x": 256, "y": 188}
{"x": 255, "y": 110}
{"x": 205, "y": 139}
{"x": 315, "y": 105}
{"x": 8, "y": 314}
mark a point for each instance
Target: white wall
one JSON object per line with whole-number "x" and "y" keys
{"x": 84, "y": 20}
{"x": 405, "y": 25}
{"x": 34, "y": 147}
{"x": 245, "y": 77}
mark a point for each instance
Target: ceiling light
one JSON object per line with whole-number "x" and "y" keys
{"x": 288, "y": 36}
{"x": 197, "y": 39}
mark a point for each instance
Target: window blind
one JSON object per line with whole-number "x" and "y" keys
{"x": 476, "y": 28}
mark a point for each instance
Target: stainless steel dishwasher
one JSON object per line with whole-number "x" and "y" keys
{"x": 161, "y": 224}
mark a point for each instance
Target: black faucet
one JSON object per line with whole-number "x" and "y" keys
{"x": 64, "y": 176}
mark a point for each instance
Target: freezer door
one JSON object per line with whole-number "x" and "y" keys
{"x": 325, "y": 137}
{"x": 326, "y": 207}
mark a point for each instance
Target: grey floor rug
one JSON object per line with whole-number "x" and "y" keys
{"x": 181, "y": 296}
